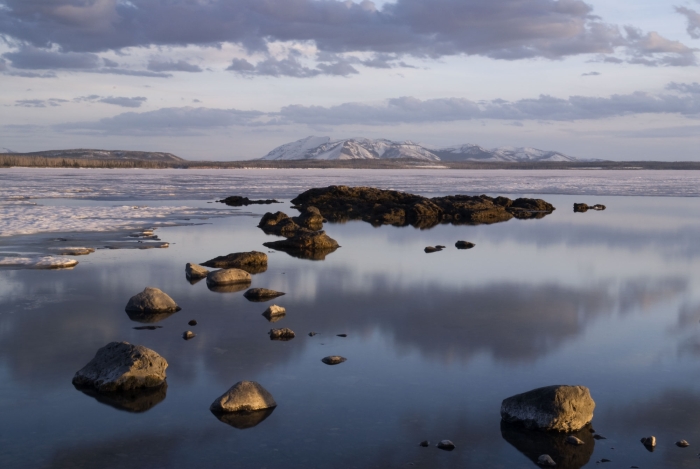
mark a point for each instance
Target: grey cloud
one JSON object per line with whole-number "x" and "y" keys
{"x": 507, "y": 29}
{"x": 689, "y": 88}
{"x": 31, "y": 74}
{"x": 590, "y": 74}
{"x": 693, "y": 18}
{"x": 3, "y": 65}
{"x": 133, "y": 73}
{"x": 289, "y": 67}
{"x": 116, "y": 100}
{"x": 156, "y": 65}
{"x": 53, "y": 102}
{"x": 32, "y": 58}
{"x": 110, "y": 63}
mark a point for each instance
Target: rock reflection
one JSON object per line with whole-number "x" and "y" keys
{"x": 228, "y": 288}
{"x": 135, "y": 400}
{"x": 149, "y": 318}
{"x": 311, "y": 255}
{"x": 193, "y": 281}
{"x": 243, "y": 420}
{"x": 532, "y": 444}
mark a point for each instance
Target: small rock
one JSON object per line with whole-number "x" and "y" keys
{"x": 430, "y": 249}
{"x": 682, "y": 444}
{"x": 446, "y": 445}
{"x": 580, "y": 207}
{"x": 599, "y": 437}
{"x": 605, "y": 460}
{"x": 228, "y": 277}
{"x": 281, "y": 334}
{"x": 195, "y": 271}
{"x": 149, "y": 328}
{"x": 341, "y": 335}
{"x": 192, "y": 323}
{"x": 253, "y": 261}
{"x": 572, "y": 440}
{"x": 546, "y": 460}
{"x": 649, "y": 441}
{"x": 311, "y": 334}
{"x": 151, "y": 300}
{"x": 598, "y": 207}
{"x": 244, "y": 396}
{"x": 439, "y": 247}
{"x": 187, "y": 335}
{"x": 464, "y": 245}
{"x": 274, "y": 313}
{"x": 261, "y": 294}
{"x": 425, "y": 443}
{"x": 333, "y": 360}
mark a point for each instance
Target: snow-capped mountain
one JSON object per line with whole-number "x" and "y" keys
{"x": 323, "y": 148}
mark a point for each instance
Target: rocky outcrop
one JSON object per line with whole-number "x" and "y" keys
{"x": 386, "y": 207}
{"x": 238, "y": 201}
{"x": 306, "y": 244}
{"x": 225, "y": 277}
{"x": 151, "y": 300}
{"x": 281, "y": 334}
{"x": 551, "y": 408}
{"x": 244, "y": 396}
{"x": 253, "y": 262}
{"x": 121, "y": 366}
{"x": 333, "y": 360}
{"x": 195, "y": 271}
{"x": 262, "y": 294}
{"x": 535, "y": 444}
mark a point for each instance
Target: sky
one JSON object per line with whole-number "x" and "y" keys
{"x": 232, "y": 79}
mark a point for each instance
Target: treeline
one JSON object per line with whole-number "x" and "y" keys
{"x": 8, "y": 161}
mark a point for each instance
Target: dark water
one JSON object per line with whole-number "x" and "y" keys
{"x": 609, "y": 300}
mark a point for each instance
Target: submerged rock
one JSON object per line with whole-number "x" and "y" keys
{"x": 262, "y": 294}
{"x": 192, "y": 322}
{"x": 151, "y": 300}
{"x": 430, "y": 249}
{"x": 585, "y": 207}
{"x": 195, "y": 271}
{"x": 274, "y": 313}
{"x": 121, "y": 366}
{"x": 557, "y": 408}
{"x": 464, "y": 245}
{"x": 238, "y": 201}
{"x": 333, "y": 360}
{"x": 424, "y": 443}
{"x": 281, "y": 334}
{"x": 228, "y": 277}
{"x": 244, "y": 396}
{"x": 75, "y": 251}
{"x": 252, "y": 262}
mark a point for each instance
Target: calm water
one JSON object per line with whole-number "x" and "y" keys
{"x": 609, "y": 300}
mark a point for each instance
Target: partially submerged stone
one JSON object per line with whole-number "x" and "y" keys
{"x": 151, "y": 300}
{"x": 253, "y": 261}
{"x": 187, "y": 335}
{"x": 74, "y": 251}
{"x": 649, "y": 441}
{"x": 121, "y": 366}
{"x": 239, "y": 201}
{"x": 195, "y": 271}
{"x": 682, "y": 444}
{"x": 305, "y": 243}
{"x": 464, "y": 245}
{"x": 262, "y": 294}
{"x": 556, "y": 408}
{"x": 244, "y": 396}
{"x": 228, "y": 277}
{"x": 281, "y": 334}
{"x": 133, "y": 400}
{"x": 244, "y": 420}
{"x": 447, "y": 445}
{"x": 333, "y": 360}
{"x": 274, "y": 313}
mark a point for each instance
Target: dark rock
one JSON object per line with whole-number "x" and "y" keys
{"x": 253, "y": 262}
{"x": 532, "y": 444}
{"x": 682, "y": 444}
{"x": 386, "y": 207}
{"x": 187, "y": 335}
{"x": 557, "y": 408}
{"x": 310, "y": 218}
{"x": 599, "y": 437}
{"x": 649, "y": 442}
{"x": 447, "y": 445}
{"x": 429, "y": 249}
{"x": 439, "y": 246}
{"x": 192, "y": 322}
{"x": 425, "y": 443}
{"x": 243, "y": 420}
{"x": 341, "y": 335}
{"x": 464, "y": 245}
{"x": 605, "y": 460}
{"x": 261, "y": 294}
{"x": 133, "y": 400}
{"x": 121, "y": 366}
{"x": 311, "y": 334}
{"x": 333, "y": 360}
{"x": 281, "y": 334}
{"x": 278, "y": 224}
{"x": 238, "y": 201}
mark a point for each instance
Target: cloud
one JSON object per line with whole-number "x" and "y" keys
{"x": 680, "y": 98}
{"x": 289, "y": 67}
{"x": 110, "y": 63}
{"x": 507, "y": 29}
{"x": 32, "y": 58}
{"x": 31, "y": 74}
{"x": 53, "y": 102}
{"x": 116, "y": 100}
{"x": 3, "y": 65}
{"x": 590, "y": 74}
{"x": 693, "y": 18}
{"x": 133, "y": 73}
{"x": 653, "y": 49}
{"x": 156, "y": 65}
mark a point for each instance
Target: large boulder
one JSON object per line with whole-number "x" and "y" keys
{"x": 151, "y": 300}
{"x": 244, "y": 396}
{"x": 552, "y": 408}
{"x": 223, "y": 277}
{"x": 195, "y": 271}
{"x": 121, "y": 366}
{"x": 253, "y": 262}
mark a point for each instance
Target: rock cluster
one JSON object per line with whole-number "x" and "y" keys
{"x": 121, "y": 366}
{"x": 386, "y": 207}
{"x": 552, "y": 408}
{"x": 253, "y": 262}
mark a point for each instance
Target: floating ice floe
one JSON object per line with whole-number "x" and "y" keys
{"x": 43, "y": 262}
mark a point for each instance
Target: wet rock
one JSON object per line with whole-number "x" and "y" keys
{"x": 572, "y": 440}
{"x": 545, "y": 460}
{"x": 121, "y": 366}
{"x": 151, "y": 300}
{"x": 195, "y": 271}
{"x": 310, "y": 218}
{"x": 243, "y": 420}
{"x": 278, "y": 223}
{"x": 682, "y": 444}
{"x": 187, "y": 335}
{"x": 311, "y": 334}
{"x": 333, "y": 360}
{"x": 228, "y": 277}
{"x": 274, "y": 313}
{"x": 533, "y": 443}
{"x": 244, "y": 396}
{"x": 133, "y": 400}
{"x": 464, "y": 245}
{"x": 446, "y": 445}
{"x": 425, "y": 443}
{"x": 253, "y": 262}
{"x": 580, "y": 208}
{"x": 238, "y": 201}
{"x": 305, "y": 244}
{"x": 192, "y": 322}
{"x": 261, "y": 294}
{"x": 556, "y": 408}
{"x": 386, "y": 207}
{"x": 649, "y": 441}
{"x": 281, "y": 334}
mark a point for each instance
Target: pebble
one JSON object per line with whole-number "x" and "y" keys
{"x": 649, "y": 441}
{"x": 187, "y": 335}
{"x": 311, "y": 334}
{"x": 599, "y": 437}
{"x": 425, "y": 443}
{"x": 682, "y": 444}
{"x": 333, "y": 360}
{"x": 446, "y": 445}
{"x": 192, "y": 323}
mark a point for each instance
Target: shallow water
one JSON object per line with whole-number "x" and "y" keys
{"x": 609, "y": 300}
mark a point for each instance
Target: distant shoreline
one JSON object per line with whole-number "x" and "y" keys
{"x": 23, "y": 161}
